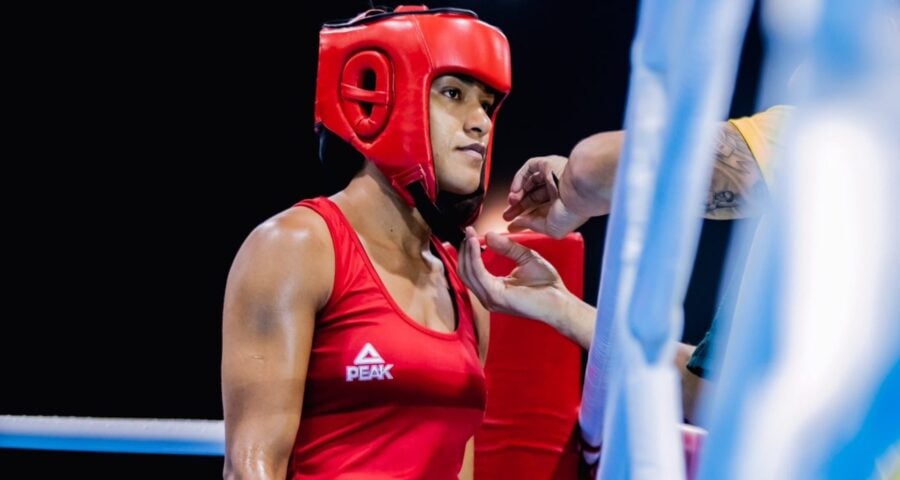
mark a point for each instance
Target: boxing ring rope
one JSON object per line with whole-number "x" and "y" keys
{"x": 137, "y": 435}
{"x": 679, "y": 89}
{"x": 150, "y": 435}
{"x": 114, "y": 435}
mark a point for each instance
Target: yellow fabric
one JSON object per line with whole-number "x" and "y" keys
{"x": 762, "y": 133}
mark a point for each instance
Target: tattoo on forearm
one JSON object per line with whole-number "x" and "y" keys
{"x": 737, "y": 189}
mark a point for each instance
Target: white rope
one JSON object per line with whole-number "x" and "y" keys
{"x": 131, "y": 435}
{"x": 124, "y": 435}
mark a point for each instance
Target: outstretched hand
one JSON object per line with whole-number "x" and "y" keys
{"x": 534, "y": 185}
{"x": 533, "y": 289}
{"x": 534, "y": 199}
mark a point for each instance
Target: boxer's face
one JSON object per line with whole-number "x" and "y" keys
{"x": 460, "y": 123}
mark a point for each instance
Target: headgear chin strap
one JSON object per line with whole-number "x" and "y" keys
{"x": 450, "y": 213}
{"x": 374, "y": 78}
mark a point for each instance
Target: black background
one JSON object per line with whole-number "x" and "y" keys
{"x": 147, "y": 145}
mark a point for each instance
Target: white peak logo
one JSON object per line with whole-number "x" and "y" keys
{"x": 369, "y": 365}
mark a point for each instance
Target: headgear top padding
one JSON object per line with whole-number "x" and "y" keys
{"x": 375, "y": 75}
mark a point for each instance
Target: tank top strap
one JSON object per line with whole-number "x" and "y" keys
{"x": 342, "y": 241}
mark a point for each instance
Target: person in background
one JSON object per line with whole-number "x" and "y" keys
{"x": 555, "y": 195}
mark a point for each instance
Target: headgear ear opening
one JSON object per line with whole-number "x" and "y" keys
{"x": 366, "y": 93}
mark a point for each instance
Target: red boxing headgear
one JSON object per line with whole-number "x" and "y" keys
{"x": 375, "y": 75}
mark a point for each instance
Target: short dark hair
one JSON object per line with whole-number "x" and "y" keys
{"x": 340, "y": 161}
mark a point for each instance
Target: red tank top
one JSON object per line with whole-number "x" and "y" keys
{"x": 385, "y": 397}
